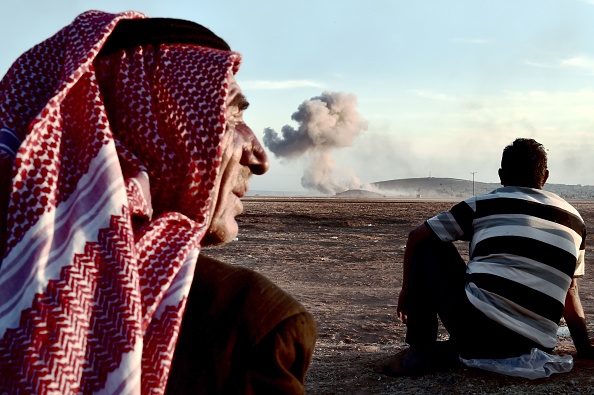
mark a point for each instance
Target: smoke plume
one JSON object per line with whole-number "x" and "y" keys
{"x": 326, "y": 123}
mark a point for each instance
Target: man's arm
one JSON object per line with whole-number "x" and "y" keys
{"x": 576, "y": 322}
{"x": 417, "y": 235}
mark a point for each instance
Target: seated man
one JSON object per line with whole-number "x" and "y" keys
{"x": 526, "y": 252}
{"x": 127, "y": 152}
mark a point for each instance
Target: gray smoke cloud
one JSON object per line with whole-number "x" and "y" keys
{"x": 326, "y": 123}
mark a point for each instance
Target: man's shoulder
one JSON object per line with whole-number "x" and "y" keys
{"x": 525, "y": 193}
{"x": 523, "y": 197}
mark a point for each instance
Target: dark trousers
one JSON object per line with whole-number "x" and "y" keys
{"x": 437, "y": 288}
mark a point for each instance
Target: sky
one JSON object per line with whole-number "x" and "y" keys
{"x": 422, "y": 88}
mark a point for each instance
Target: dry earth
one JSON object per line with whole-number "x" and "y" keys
{"x": 342, "y": 259}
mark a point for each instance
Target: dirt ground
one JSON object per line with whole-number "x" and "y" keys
{"x": 342, "y": 259}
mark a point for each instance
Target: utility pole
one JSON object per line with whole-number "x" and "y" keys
{"x": 473, "y": 173}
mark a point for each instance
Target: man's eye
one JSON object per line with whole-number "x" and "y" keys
{"x": 234, "y": 113}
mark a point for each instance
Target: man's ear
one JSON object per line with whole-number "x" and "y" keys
{"x": 501, "y": 177}
{"x": 546, "y": 177}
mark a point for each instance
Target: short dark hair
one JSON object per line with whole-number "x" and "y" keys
{"x": 524, "y": 163}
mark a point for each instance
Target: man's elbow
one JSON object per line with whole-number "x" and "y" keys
{"x": 421, "y": 232}
{"x": 573, "y": 287}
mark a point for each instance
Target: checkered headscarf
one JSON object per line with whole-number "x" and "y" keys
{"x": 108, "y": 164}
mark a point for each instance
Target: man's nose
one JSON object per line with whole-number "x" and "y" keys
{"x": 253, "y": 154}
{"x": 256, "y": 158}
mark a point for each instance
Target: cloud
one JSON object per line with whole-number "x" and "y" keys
{"x": 574, "y": 63}
{"x": 570, "y": 109}
{"x": 545, "y": 105}
{"x": 541, "y": 65}
{"x": 477, "y": 41}
{"x": 581, "y": 62}
{"x": 435, "y": 96}
{"x": 461, "y": 133}
{"x": 275, "y": 85}
{"x": 556, "y": 115}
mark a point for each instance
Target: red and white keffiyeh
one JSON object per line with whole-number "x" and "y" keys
{"x": 89, "y": 301}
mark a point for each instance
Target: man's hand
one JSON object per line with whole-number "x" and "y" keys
{"x": 576, "y": 322}
{"x": 402, "y": 308}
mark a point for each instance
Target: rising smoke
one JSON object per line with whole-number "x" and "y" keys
{"x": 326, "y": 123}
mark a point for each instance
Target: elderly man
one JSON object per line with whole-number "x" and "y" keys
{"x": 526, "y": 251}
{"x": 123, "y": 151}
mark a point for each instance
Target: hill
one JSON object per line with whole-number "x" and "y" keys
{"x": 432, "y": 187}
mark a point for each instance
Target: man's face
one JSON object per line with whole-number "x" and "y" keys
{"x": 242, "y": 156}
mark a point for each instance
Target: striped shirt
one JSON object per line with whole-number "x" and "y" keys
{"x": 525, "y": 246}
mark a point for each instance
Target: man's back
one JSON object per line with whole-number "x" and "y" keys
{"x": 525, "y": 246}
{"x": 526, "y": 250}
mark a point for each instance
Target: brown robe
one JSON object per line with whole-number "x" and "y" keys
{"x": 240, "y": 334}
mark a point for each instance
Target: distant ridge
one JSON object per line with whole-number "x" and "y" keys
{"x": 457, "y": 188}
{"x": 430, "y": 187}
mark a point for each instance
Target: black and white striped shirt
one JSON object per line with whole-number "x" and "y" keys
{"x": 525, "y": 246}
